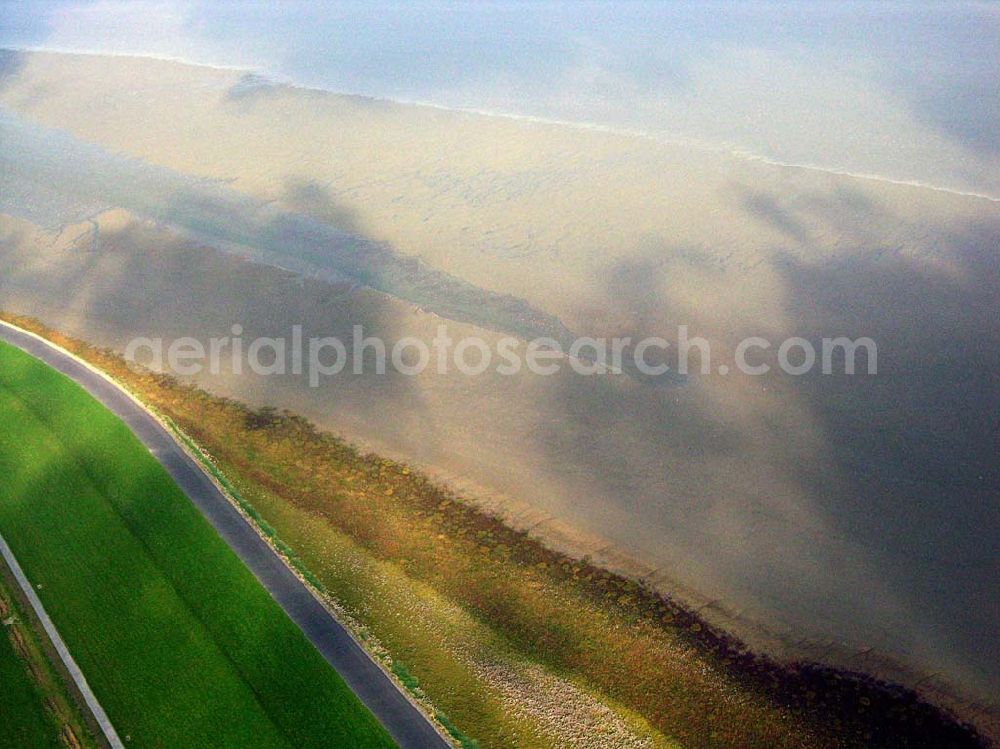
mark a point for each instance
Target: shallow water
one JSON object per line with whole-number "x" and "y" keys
{"x": 860, "y": 510}
{"x": 833, "y": 85}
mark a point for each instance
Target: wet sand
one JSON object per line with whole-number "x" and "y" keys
{"x": 858, "y": 513}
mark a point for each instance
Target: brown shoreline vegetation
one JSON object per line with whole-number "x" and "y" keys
{"x": 637, "y": 648}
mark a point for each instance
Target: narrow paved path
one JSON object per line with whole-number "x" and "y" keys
{"x": 57, "y": 642}
{"x": 402, "y": 719}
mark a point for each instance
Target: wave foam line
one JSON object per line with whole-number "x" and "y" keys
{"x": 723, "y": 148}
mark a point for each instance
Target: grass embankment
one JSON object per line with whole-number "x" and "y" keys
{"x": 36, "y": 709}
{"x": 26, "y": 721}
{"x": 178, "y": 640}
{"x": 518, "y": 645}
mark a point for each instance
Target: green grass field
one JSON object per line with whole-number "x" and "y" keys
{"x": 179, "y": 641}
{"x": 24, "y": 720}
{"x": 37, "y": 708}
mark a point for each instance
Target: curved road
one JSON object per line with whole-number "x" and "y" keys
{"x": 402, "y": 719}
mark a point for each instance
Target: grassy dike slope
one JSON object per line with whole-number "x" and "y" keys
{"x": 178, "y": 640}
{"x": 518, "y": 645}
{"x": 25, "y": 721}
{"x": 37, "y": 707}
{"x": 513, "y": 643}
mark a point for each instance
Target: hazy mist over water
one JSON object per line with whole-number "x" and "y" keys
{"x": 857, "y": 511}
{"x": 907, "y": 92}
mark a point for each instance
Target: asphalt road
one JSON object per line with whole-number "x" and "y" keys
{"x": 402, "y": 719}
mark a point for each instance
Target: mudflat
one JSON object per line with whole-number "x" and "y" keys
{"x": 855, "y": 512}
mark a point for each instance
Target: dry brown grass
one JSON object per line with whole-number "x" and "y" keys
{"x": 614, "y": 638}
